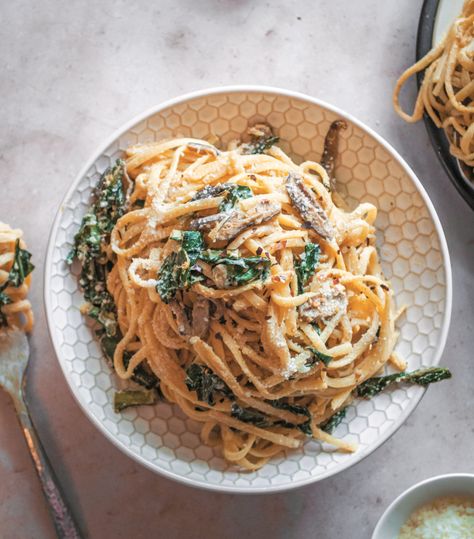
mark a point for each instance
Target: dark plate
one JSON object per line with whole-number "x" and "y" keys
{"x": 438, "y": 138}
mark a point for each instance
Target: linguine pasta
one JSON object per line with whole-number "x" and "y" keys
{"x": 15, "y": 309}
{"x": 446, "y": 93}
{"x": 250, "y": 290}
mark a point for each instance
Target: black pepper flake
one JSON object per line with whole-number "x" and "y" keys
{"x": 268, "y": 317}
{"x": 234, "y": 323}
{"x": 306, "y": 225}
{"x": 218, "y": 336}
{"x": 385, "y": 287}
{"x": 222, "y": 320}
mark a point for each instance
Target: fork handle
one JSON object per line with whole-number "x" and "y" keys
{"x": 64, "y": 523}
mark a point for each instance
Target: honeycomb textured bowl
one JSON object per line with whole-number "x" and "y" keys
{"x": 414, "y": 257}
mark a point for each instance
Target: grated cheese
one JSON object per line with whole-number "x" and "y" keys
{"x": 443, "y": 518}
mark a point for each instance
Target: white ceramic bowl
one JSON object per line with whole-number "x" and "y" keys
{"x": 413, "y": 252}
{"x": 398, "y": 512}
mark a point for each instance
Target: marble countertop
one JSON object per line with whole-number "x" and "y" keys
{"x": 71, "y": 74}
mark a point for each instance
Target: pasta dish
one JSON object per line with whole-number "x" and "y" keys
{"x": 15, "y": 279}
{"x": 238, "y": 283}
{"x": 446, "y": 93}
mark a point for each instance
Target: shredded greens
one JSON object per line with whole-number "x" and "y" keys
{"x": 330, "y": 424}
{"x": 90, "y": 244}
{"x": 19, "y": 271}
{"x": 201, "y": 379}
{"x": 91, "y": 249}
{"x": 259, "y": 144}
{"x": 181, "y": 269}
{"x": 176, "y": 272}
{"x": 306, "y": 265}
{"x": 249, "y": 416}
{"x": 317, "y": 356}
{"x": 233, "y": 195}
{"x": 422, "y": 377}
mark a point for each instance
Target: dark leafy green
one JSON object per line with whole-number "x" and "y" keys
{"x": 181, "y": 269}
{"x": 91, "y": 249}
{"x": 201, "y": 379}
{"x": 240, "y": 270}
{"x": 4, "y": 300}
{"x": 20, "y": 269}
{"x": 318, "y": 356}
{"x": 258, "y": 419}
{"x": 330, "y": 424}
{"x": 176, "y": 272}
{"x": 295, "y": 409}
{"x": 249, "y": 416}
{"x": 90, "y": 245}
{"x": 306, "y": 265}
{"x": 233, "y": 195}
{"x": 422, "y": 377}
{"x": 133, "y": 397}
{"x": 259, "y": 144}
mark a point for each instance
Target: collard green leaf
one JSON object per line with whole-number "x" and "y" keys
{"x": 181, "y": 269}
{"x": 130, "y": 397}
{"x": 233, "y": 195}
{"x": 422, "y": 377}
{"x": 307, "y": 264}
{"x": 201, "y": 379}
{"x": 90, "y": 248}
{"x": 330, "y": 424}
{"x": 4, "y": 300}
{"x": 240, "y": 270}
{"x": 21, "y": 267}
{"x": 91, "y": 242}
{"x": 318, "y": 356}
{"x": 247, "y": 415}
{"x": 259, "y": 144}
{"x": 304, "y": 427}
{"x": 293, "y": 408}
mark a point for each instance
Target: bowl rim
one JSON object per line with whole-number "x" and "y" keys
{"x": 393, "y": 506}
{"x": 249, "y": 89}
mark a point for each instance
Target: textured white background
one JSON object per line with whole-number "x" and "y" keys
{"x": 70, "y": 75}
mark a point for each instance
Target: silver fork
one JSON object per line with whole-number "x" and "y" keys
{"x": 14, "y": 355}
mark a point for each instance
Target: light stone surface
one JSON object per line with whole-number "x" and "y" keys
{"x": 70, "y": 75}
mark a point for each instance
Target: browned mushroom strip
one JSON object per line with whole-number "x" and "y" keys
{"x": 200, "y": 325}
{"x": 238, "y": 221}
{"x": 308, "y": 206}
{"x": 182, "y": 321}
{"x": 331, "y": 144}
{"x": 219, "y": 276}
{"x": 211, "y": 191}
{"x": 207, "y": 223}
